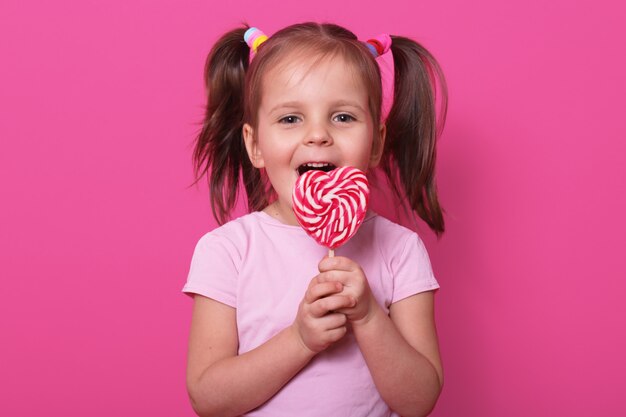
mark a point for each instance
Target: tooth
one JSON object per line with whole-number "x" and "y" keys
{"x": 316, "y": 164}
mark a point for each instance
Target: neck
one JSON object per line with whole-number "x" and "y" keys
{"x": 282, "y": 213}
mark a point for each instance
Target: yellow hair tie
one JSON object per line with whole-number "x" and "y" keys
{"x": 258, "y": 41}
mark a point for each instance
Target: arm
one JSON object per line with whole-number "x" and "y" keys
{"x": 406, "y": 366}
{"x": 401, "y": 350}
{"x": 222, "y": 383}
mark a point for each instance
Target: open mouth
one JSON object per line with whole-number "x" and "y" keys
{"x": 318, "y": 166}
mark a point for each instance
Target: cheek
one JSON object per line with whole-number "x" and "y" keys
{"x": 276, "y": 154}
{"x": 367, "y": 141}
{"x": 275, "y": 151}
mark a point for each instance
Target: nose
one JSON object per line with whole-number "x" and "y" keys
{"x": 319, "y": 135}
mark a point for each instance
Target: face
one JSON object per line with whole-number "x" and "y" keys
{"x": 311, "y": 114}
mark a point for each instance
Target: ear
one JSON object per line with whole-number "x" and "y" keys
{"x": 254, "y": 153}
{"x": 378, "y": 146}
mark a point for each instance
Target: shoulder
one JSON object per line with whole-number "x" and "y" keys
{"x": 407, "y": 259}
{"x": 399, "y": 246}
{"x": 230, "y": 239}
{"x": 218, "y": 259}
{"x": 391, "y": 237}
{"x": 235, "y": 231}
{"x": 386, "y": 227}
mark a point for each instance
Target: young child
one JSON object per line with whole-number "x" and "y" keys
{"x": 278, "y": 328}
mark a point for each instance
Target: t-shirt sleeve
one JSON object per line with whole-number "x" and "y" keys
{"x": 214, "y": 269}
{"x": 412, "y": 270}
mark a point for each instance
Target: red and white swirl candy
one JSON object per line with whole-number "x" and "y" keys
{"x": 331, "y": 206}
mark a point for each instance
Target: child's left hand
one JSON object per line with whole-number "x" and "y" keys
{"x": 355, "y": 285}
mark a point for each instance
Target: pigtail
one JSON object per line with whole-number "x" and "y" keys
{"x": 219, "y": 151}
{"x": 412, "y": 129}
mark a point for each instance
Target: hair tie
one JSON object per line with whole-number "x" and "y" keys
{"x": 380, "y": 47}
{"x": 254, "y": 38}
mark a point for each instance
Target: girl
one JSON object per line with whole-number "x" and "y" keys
{"x": 276, "y": 332}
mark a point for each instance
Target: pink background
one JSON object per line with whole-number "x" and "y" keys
{"x": 100, "y": 102}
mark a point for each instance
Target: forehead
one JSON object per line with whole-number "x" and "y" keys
{"x": 297, "y": 75}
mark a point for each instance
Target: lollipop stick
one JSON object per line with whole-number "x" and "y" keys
{"x": 331, "y": 253}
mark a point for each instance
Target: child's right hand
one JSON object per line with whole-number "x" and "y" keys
{"x": 317, "y": 324}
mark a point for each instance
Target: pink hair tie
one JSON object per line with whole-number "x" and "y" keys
{"x": 380, "y": 47}
{"x": 254, "y": 38}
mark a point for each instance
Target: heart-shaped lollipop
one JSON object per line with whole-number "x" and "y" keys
{"x": 331, "y": 206}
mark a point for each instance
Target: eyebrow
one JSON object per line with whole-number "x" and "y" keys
{"x": 285, "y": 104}
{"x": 338, "y": 103}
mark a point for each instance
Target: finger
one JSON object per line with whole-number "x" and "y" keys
{"x": 345, "y": 311}
{"x": 322, "y": 289}
{"x": 322, "y": 306}
{"x": 333, "y": 321}
{"x": 340, "y": 263}
{"x": 342, "y": 277}
{"x": 336, "y": 334}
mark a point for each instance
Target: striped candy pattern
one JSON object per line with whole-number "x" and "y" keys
{"x": 331, "y": 206}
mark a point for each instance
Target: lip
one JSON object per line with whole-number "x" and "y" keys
{"x": 317, "y": 162}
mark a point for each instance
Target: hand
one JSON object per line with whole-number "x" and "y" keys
{"x": 345, "y": 271}
{"x": 317, "y": 323}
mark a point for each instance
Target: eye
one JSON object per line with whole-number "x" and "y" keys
{"x": 291, "y": 119}
{"x": 344, "y": 118}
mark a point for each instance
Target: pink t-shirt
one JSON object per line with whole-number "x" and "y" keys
{"x": 262, "y": 268}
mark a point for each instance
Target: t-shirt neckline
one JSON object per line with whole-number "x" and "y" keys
{"x": 266, "y": 218}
